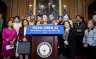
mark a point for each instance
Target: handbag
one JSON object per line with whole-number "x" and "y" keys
{"x": 24, "y": 47}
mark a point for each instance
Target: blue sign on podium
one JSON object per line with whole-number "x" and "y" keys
{"x": 45, "y": 29}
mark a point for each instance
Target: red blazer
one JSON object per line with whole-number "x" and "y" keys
{"x": 21, "y": 35}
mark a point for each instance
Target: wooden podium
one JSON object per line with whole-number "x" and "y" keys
{"x": 36, "y": 40}
{"x": 45, "y": 41}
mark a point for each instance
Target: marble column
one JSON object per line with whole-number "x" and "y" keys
{"x": 34, "y": 7}
{"x": 60, "y": 7}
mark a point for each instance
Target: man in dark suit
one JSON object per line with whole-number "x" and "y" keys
{"x": 79, "y": 27}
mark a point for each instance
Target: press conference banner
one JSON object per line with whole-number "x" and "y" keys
{"x": 45, "y": 29}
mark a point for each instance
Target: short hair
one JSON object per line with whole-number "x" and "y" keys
{"x": 68, "y": 23}
{"x": 94, "y": 22}
{"x": 17, "y": 17}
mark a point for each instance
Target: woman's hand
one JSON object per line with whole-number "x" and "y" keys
{"x": 66, "y": 42}
{"x": 24, "y": 39}
{"x": 11, "y": 45}
{"x": 11, "y": 42}
{"x": 85, "y": 45}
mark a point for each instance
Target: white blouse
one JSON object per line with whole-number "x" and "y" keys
{"x": 25, "y": 28}
{"x": 17, "y": 26}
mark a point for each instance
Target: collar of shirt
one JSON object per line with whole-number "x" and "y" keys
{"x": 25, "y": 31}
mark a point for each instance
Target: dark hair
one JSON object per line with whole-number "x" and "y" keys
{"x": 39, "y": 15}
{"x": 23, "y": 22}
{"x": 15, "y": 18}
{"x": 78, "y": 16}
{"x": 11, "y": 18}
{"x": 60, "y": 17}
{"x": 82, "y": 18}
{"x": 68, "y": 23}
{"x": 8, "y": 22}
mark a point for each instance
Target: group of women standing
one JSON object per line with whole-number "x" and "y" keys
{"x": 15, "y": 41}
{"x": 79, "y": 40}
{"x": 13, "y": 34}
{"x": 79, "y": 37}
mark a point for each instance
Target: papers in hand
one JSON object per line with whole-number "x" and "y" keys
{"x": 8, "y": 47}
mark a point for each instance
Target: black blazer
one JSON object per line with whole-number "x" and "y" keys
{"x": 71, "y": 37}
{"x": 81, "y": 26}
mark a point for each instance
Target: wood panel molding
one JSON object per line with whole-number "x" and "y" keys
{"x": 20, "y": 7}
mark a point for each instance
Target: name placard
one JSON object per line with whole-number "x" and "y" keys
{"x": 45, "y": 30}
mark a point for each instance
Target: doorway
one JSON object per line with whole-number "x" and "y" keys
{"x": 3, "y": 9}
{"x": 92, "y": 9}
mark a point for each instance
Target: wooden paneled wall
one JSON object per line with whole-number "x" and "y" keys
{"x": 17, "y": 7}
{"x": 75, "y": 7}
